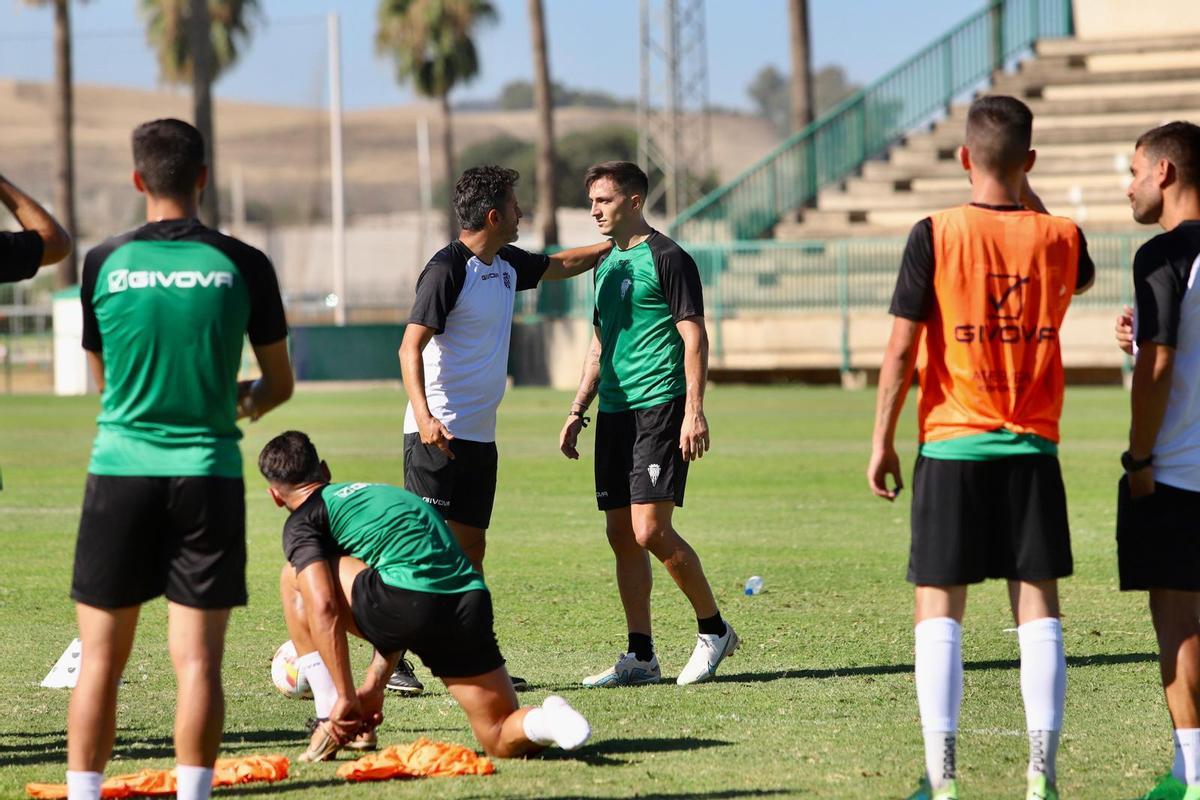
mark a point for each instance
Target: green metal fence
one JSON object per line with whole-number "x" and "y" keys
{"x": 867, "y": 123}
{"x": 767, "y": 276}
{"x": 843, "y": 276}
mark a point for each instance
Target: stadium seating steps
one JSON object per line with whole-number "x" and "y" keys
{"x": 1090, "y": 99}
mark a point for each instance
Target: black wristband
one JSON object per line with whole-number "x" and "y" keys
{"x": 1131, "y": 464}
{"x": 582, "y": 419}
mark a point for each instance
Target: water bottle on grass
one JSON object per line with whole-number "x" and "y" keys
{"x": 754, "y": 585}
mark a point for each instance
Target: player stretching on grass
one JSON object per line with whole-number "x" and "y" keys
{"x": 648, "y": 360}
{"x": 455, "y": 359}
{"x": 986, "y": 285}
{"x": 165, "y": 311}
{"x": 377, "y": 561}
{"x": 1158, "y": 501}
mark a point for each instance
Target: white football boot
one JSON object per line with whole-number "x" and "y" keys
{"x": 710, "y": 651}
{"x": 628, "y": 671}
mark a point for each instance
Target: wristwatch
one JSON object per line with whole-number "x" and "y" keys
{"x": 1131, "y": 464}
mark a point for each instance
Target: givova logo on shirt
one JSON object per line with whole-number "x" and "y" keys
{"x": 121, "y": 279}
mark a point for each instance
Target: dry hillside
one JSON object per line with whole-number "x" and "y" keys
{"x": 281, "y": 151}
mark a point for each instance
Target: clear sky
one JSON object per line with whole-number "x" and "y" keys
{"x": 592, "y": 44}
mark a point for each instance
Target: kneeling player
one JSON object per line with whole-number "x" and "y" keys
{"x": 377, "y": 561}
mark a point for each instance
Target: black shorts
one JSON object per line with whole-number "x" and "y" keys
{"x": 1003, "y": 518}
{"x": 140, "y": 537}
{"x": 463, "y": 488}
{"x": 451, "y": 633}
{"x": 1158, "y": 539}
{"x": 638, "y": 459}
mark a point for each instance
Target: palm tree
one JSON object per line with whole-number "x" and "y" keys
{"x": 64, "y": 135}
{"x": 215, "y": 31}
{"x": 547, "y": 201}
{"x": 430, "y": 43}
{"x": 802, "y": 95}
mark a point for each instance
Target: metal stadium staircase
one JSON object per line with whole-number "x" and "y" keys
{"x": 862, "y": 127}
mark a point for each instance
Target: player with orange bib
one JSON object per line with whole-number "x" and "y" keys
{"x": 979, "y": 302}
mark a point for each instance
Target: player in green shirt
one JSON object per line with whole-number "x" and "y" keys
{"x": 166, "y": 310}
{"x": 648, "y": 360}
{"x": 379, "y": 562}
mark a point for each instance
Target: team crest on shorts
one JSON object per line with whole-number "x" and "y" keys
{"x": 655, "y": 470}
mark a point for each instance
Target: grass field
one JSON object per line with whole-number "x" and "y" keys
{"x": 819, "y": 703}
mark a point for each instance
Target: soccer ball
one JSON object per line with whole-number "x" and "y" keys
{"x": 286, "y": 676}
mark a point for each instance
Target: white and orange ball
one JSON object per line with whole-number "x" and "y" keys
{"x": 286, "y": 675}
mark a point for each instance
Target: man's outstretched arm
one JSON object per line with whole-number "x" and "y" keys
{"x": 576, "y": 261}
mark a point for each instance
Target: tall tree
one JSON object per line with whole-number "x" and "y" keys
{"x": 769, "y": 91}
{"x": 547, "y": 197}
{"x": 215, "y": 31}
{"x": 430, "y": 43}
{"x": 802, "y": 93}
{"x": 64, "y": 135}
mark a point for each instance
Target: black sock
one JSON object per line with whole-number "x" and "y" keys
{"x": 714, "y": 624}
{"x": 642, "y": 646}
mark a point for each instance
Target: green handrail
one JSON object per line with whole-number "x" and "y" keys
{"x": 865, "y": 124}
{"x": 760, "y": 278}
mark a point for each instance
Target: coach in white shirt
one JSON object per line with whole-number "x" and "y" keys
{"x": 454, "y": 355}
{"x": 455, "y": 351}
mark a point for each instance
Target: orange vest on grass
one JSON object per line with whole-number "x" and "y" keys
{"x": 990, "y": 357}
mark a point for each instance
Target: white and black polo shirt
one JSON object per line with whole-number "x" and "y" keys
{"x": 1168, "y": 313}
{"x": 469, "y": 305}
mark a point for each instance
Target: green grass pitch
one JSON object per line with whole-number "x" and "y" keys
{"x": 818, "y": 703}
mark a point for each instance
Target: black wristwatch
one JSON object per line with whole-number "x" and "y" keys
{"x": 1131, "y": 464}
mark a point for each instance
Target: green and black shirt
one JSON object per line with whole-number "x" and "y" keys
{"x": 168, "y": 307}
{"x": 392, "y": 530}
{"x": 640, "y": 294}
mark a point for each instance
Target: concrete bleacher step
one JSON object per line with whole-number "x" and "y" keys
{"x": 1132, "y": 44}
{"x": 1091, "y": 100}
{"x": 819, "y": 224}
{"x": 1115, "y": 161}
{"x": 1133, "y": 89}
{"x": 1035, "y": 77}
{"x": 1162, "y": 103}
{"x": 868, "y": 189}
{"x": 1052, "y": 159}
{"x": 948, "y": 138}
{"x": 1056, "y": 117}
{"x": 1072, "y": 197}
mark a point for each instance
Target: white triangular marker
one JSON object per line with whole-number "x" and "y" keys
{"x": 65, "y": 671}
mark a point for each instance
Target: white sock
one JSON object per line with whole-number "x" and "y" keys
{"x": 319, "y": 680}
{"x": 1189, "y": 746}
{"x": 193, "y": 783}
{"x": 939, "y": 693}
{"x": 1043, "y": 753}
{"x": 1177, "y": 765}
{"x": 1044, "y": 690}
{"x": 84, "y": 785}
{"x": 556, "y": 723}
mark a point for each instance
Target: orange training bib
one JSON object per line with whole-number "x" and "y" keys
{"x": 990, "y": 357}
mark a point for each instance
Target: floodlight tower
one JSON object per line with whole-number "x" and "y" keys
{"x": 673, "y": 113}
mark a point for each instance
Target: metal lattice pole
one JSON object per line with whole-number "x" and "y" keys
{"x": 674, "y": 140}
